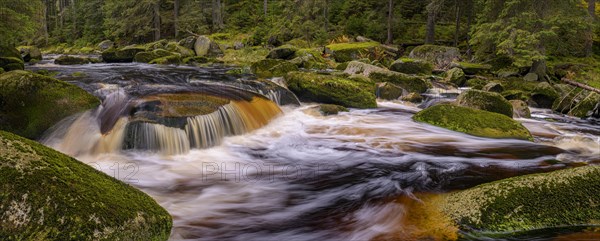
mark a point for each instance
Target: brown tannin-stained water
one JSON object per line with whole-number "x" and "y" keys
{"x": 290, "y": 173}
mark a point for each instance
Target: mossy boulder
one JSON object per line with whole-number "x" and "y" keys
{"x": 544, "y": 95}
{"x": 187, "y": 42}
{"x": 548, "y": 202}
{"x": 148, "y": 56}
{"x": 328, "y": 109}
{"x": 520, "y": 109}
{"x": 456, "y": 76}
{"x": 123, "y": 55}
{"x": 204, "y": 46}
{"x": 286, "y": 52}
{"x": 2, "y": 71}
{"x": 47, "y": 195}
{"x": 476, "y": 83}
{"x": 30, "y": 53}
{"x": 378, "y": 74}
{"x": 31, "y": 103}
{"x": 389, "y": 91}
{"x": 585, "y": 106}
{"x": 344, "y": 52}
{"x": 473, "y": 122}
{"x": 411, "y": 66}
{"x": 493, "y": 87}
{"x": 440, "y": 56}
{"x": 413, "y": 97}
{"x": 308, "y": 62}
{"x": 331, "y": 89}
{"x": 11, "y": 63}
{"x": 71, "y": 60}
{"x": 516, "y": 95}
{"x": 488, "y": 101}
{"x": 105, "y": 45}
{"x": 268, "y": 68}
{"x": 475, "y": 69}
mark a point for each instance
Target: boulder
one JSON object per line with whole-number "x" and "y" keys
{"x": 455, "y": 76}
{"x": 409, "y": 83}
{"x": 204, "y": 46}
{"x": 105, "y": 45}
{"x": 344, "y": 52}
{"x": 47, "y": 195}
{"x": 544, "y": 95}
{"x": 286, "y": 52}
{"x": 475, "y": 69}
{"x": 531, "y": 77}
{"x": 147, "y": 57}
{"x": 187, "y": 42}
{"x": 183, "y": 51}
{"x": 30, "y": 53}
{"x": 520, "y": 109}
{"x": 331, "y": 89}
{"x": 476, "y": 83}
{"x": 493, "y": 87}
{"x": 413, "y": 97}
{"x": 328, "y": 109}
{"x": 388, "y": 91}
{"x": 10, "y": 58}
{"x": 440, "y": 56}
{"x": 586, "y": 106}
{"x": 516, "y": 95}
{"x": 2, "y": 71}
{"x": 268, "y": 68}
{"x": 473, "y": 122}
{"x": 546, "y": 202}
{"x": 411, "y": 66}
{"x": 32, "y": 103}
{"x": 308, "y": 62}
{"x": 71, "y": 60}
{"x": 488, "y": 101}
{"x": 123, "y": 55}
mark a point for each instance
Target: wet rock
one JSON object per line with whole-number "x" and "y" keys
{"x": 544, "y": 95}
{"x": 10, "y": 58}
{"x": 187, "y": 42}
{"x": 30, "y": 53}
{"x": 473, "y": 122}
{"x": 389, "y": 91}
{"x": 32, "y": 103}
{"x": 494, "y": 87}
{"x": 204, "y": 46}
{"x": 440, "y": 56}
{"x": 268, "y": 68}
{"x": 71, "y": 60}
{"x": 551, "y": 202}
{"x": 413, "y": 97}
{"x": 285, "y": 52}
{"x": 51, "y": 196}
{"x": 411, "y": 66}
{"x": 105, "y": 45}
{"x": 488, "y": 101}
{"x": 330, "y": 89}
{"x": 328, "y": 109}
{"x": 456, "y": 76}
{"x": 123, "y": 55}
{"x": 520, "y": 109}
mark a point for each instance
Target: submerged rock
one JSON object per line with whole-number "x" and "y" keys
{"x": 328, "y": 109}
{"x": 473, "y": 122}
{"x": 411, "y": 66}
{"x": 559, "y": 200}
{"x": 440, "y": 56}
{"x": 47, "y": 195}
{"x": 487, "y": 101}
{"x": 330, "y": 89}
{"x": 32, "y": 103}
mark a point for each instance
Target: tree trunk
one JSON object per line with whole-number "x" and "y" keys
{"x": 176, "y": 17}
{"x": 216, "y": 15}
{"x": 592, "y": 9}
{"x": 326, "y": 16}
{"x": 45, "y": 21}
{"x": 156, "y": 21}
{"x": 265, "y": 6}
{"x": 470, "y": 10}
{"x": 390, "y": 38}
{"x": 457, "y": 20}
{"x": 74, "y": 16}
{"x": 430, "y": 35}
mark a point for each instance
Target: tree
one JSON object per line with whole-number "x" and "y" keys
{"x": 265, "y": 6}
{"x": 175, "y": 17}
{"x": 433, "y": 10}
{"x": 592, "y": 9}
{"x": 390, "y": 38}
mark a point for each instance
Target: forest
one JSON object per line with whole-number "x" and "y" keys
{"x": 300, "y": 120}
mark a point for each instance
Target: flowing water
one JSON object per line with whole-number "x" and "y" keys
{"x": 294, "y": 174}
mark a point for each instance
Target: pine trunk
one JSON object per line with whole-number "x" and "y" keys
{"x": 156, "y": 21}
{"x": 592, "y": 9}
{"x": 265, "y": 5}
{"x": 389, "y": 22}
{"x": 430, "y": 35}
{"x": 176, "y": 17}
{"x": 457, "y": 22}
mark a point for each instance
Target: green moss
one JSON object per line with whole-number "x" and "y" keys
{"x": 456, "y": 76}
{"x": 344, "y": 52}
{"x": 476, "y": 83}
{"x": 556, "y": 200}
{"x": 71, "y": 60}
{"x": 342, "y": 66}
{"x": 474, "y": 68}
{"x": 544, "y": 95}
{"x": 172, "y": 59}
{"x": 30, "y": 53}
{"x": 582, "y": 108}
{"x": 407, "y": 82}
{"x": 411, "y": 66}
{"x": 516, "y": 95}
{"x": 487, "y": 101}
{"x": 1, "y": 71}
{"x": 268, "y": 68}
{"x": 11, "y": 63}
{"x": 33, "y": 103}
{"x": 245, "y": 56}
{"x": 124, "y": 55}
{"x": 50, "y": 196}
{"x": 473, "y": 122}
{"x": 388, "y": 91}
{"x": 331, "y": 89}
{"x": 328, "y": 109}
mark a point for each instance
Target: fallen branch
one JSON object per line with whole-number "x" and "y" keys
{"x": 192, "y": 33}
{"x": 580, "y": 85}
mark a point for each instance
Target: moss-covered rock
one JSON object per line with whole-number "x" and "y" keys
{"x": 187, "y": 42}
{"x": 413, "y": 97}
{"x": 2, "y": 71}
{"x": 171, "y": 59}
{"x": 389, "y": 91}
{"x": 47, "y": 195}
{"x": 493, "y": 87}
{"x": 378, "y": 74}
{"x": 487, "y": 101}
{"x": 544, "y": 95}
{"x": 268, "y": 68}
{"x": 558, "y": 200}
{"x": 411, "y": 66}
{"x": 308, "y": 62}
{"x": 440, "y": 56}
{"x": 11, "y": 63}
{"x": 32, "y": 103}
{"x": 105, "y": 45}
{"x": 475, "y": 69}
{"x": 328, "y": 109}
{"x": 344, "y": 52}
{"x": 516, "y": 95}
{"x": 473, "y": 122}
{"x": 330, "y": 89}
{"x": 520, "y": 109}
{"x": 476, "y": 83}
{"x": 456, "y": 76}
{"x": 71, "y": 60}
{"x": 585, "y": 106}
{"x": 123, "y": 55}
{"x": 148, "y": 56}
{"x": 204, "y": 46}
{"x": 30, "y": 53}
{"x": 286, "y": 52}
